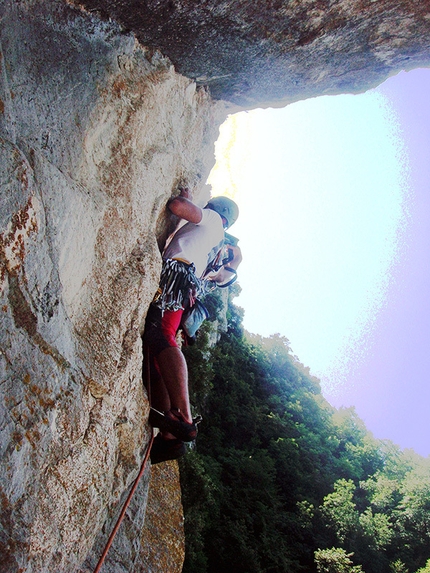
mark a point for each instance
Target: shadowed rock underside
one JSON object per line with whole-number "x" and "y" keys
{"x": 97, "y": 129}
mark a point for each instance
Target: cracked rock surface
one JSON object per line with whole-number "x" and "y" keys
{"x": 105, "y": 108}
{"x": 277, "y": 51}
{"x": 96, "y": 133}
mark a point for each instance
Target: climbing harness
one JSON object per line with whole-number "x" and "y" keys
{"x": 147, "y": 380}
{"x": 179, "y": 286}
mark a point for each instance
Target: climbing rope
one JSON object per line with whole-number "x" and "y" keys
{"x": 141, "y": 472}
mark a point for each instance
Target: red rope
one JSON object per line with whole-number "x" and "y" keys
{"x": 125, "y": 507}
{"x": 141, "y": 472}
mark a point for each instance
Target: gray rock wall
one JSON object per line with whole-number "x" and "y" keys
{"x": 95, "y": 134}
{"x": 274, "y": 52}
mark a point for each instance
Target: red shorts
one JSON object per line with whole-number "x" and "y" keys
{"x": 161, "y": 329}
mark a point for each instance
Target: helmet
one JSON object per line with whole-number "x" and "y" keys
{"x": 224, "y": 207}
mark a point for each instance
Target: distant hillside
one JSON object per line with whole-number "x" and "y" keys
{"x": 106, "y": 107}
{"x": 278, "y": 474}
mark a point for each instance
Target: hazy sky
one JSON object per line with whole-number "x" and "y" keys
{"x": 334, "y": 226}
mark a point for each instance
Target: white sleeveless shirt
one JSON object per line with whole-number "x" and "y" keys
{"x": 197, "y": 244}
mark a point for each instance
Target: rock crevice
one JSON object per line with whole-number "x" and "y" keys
{"x": 97, "y": 130}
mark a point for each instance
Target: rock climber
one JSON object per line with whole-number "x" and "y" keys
{"x": 188, "y": 262}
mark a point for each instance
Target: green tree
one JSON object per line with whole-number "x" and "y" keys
{"x": 425, "y": 569}
{"x": 335, "y": 560}
{"x": 376, "y": 528}
{"x": 412, "y": 515}
{"x": 340, "y": 510}
{"x": 278, "y": 473}
{"x": 398, "y": 567}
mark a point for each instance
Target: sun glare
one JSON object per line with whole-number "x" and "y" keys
{"x": 322, "y": 193}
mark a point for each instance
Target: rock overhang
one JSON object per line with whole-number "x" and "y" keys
{"x": 273, "y": 53}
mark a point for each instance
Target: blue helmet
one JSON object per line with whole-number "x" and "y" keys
{"x": 226, "y": 208}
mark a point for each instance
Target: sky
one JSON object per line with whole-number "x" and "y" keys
{"x": 334, "y": 228}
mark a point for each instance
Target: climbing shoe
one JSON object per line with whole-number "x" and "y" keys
{"x": 163, "y": 450}
{"x": 174, "y": 423}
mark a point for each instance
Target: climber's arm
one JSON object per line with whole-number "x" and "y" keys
{"x": 184, "y": 208}
{"x": 224, "y": 274}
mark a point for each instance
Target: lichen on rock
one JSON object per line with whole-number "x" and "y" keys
{"x": 97, "y": 129}
{"x": 256, "y": 54}
{"x": 95, "y": 133}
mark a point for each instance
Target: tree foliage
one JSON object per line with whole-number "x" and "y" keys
{"x": 335, "y": 560}
{"x": 281, "y": 481}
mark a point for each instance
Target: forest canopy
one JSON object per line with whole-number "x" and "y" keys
{"x": 280, "y": 481}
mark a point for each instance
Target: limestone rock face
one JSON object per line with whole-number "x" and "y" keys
{"x": 96, "y": 131}
{"x": 278, "y": 51}
{"x": 95, "y": 134}
{"x": 162, "y": 537}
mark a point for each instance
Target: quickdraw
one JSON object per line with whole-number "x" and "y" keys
{"x": 179, "y": 286}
